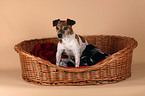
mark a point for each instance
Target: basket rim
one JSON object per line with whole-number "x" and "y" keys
{"x": 94, "y": 67}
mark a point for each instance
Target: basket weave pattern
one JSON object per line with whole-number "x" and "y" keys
{"x": 115, "y": 68}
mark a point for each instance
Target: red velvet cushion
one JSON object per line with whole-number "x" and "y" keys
{"x": 46, "y": 51}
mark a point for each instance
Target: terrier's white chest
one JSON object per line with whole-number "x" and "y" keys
{"x": 71, "y": 45}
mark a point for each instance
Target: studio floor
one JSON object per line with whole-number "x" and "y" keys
{"x": 12, "y": 84}
{"x": 29, "y": 19}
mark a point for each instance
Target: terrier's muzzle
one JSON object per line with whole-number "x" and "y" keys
{"x": 59, "y": 35}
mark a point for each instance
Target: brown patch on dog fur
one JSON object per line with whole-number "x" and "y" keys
{"x": 71, "y": 30}
{"x": 76, "y": 36}
{"x": 64, "y": 23}
{"x": 83, "y": 40}
{"x": 61, "y": 24}
{"x": 60, "y": 41}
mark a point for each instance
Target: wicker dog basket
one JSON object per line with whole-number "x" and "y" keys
{"x": 115, "y": 68}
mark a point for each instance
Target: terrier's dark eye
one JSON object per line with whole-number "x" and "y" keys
{"x": 65, "y": 28}
{"x": 57, "y": 28}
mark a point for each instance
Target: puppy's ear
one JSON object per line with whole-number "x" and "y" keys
{"x": 55, "y": 22}
{"x": 70, "y": 22}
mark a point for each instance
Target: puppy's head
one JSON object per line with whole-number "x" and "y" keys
{"x": 63, "y": 28}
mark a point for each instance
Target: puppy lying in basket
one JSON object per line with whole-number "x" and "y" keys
{"x": 69, "y": 42}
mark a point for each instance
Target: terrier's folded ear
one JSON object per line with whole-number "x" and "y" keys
{"x": 70, "y": 22}
{"x": 55, "y": 22}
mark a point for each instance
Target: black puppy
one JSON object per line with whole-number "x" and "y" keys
{"x": 92, "y": 55}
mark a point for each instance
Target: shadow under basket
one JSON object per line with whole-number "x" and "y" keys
{"x": 115, "y": 68}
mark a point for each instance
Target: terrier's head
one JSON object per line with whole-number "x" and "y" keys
{"x": 63, "y": 28}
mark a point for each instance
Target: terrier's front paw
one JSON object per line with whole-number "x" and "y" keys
{"x": 77, "y": 65}
{"x": 57, "y": 64}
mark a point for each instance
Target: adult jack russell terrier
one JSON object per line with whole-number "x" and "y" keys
{"x": 69, "y": 42}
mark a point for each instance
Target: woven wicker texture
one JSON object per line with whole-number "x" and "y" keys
{"x": 115, "y": 68}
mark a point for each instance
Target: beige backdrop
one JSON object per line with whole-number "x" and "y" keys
{"x": 28, "y": 19}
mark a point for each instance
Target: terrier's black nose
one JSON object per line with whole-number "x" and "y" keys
{"x": 59, "y": 35}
